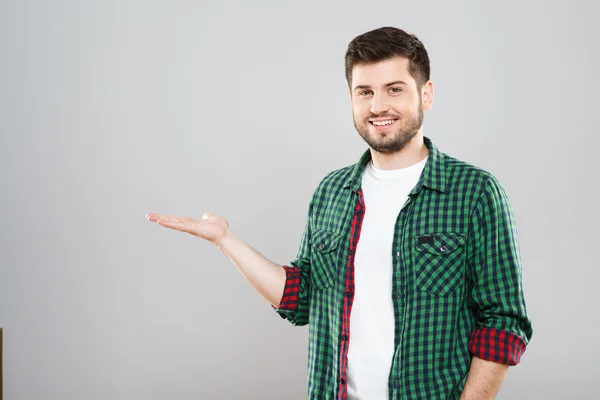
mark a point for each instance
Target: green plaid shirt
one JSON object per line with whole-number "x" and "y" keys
{"x": 456, "y": 287}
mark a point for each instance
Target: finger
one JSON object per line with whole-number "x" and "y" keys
{"x": 162, "y": 217}
{"x": 178, "y": 225}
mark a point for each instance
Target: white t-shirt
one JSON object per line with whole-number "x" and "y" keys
{"x": 371, "y": 342}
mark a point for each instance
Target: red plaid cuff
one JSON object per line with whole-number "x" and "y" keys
{"x": 290, "y": 298}
{"x": 497, "y": 345}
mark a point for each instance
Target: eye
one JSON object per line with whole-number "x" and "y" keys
{"x": 395, "y": 90}
{"x": 365, "y": 92}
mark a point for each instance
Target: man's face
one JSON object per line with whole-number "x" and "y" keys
{"x": 387, "y": 107}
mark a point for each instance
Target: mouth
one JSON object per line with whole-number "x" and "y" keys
{"x": 382, "y": 125}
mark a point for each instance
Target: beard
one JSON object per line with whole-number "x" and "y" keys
{"x": 396, "y": 140}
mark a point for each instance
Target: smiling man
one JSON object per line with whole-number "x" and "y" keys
{"x": 408, "y": 273}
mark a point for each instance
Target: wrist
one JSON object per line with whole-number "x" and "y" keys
{"x": 224, "y": 240}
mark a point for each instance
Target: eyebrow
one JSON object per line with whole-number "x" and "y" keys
{"x": 386, "y": 85}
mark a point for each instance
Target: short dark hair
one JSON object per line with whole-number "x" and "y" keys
{"x": 385, "y": 43}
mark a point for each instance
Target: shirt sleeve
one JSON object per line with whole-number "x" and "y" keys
{"x": 295, "y": 299}
{"x": 503, "y": 328}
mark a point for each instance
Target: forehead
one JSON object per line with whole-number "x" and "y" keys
{"x": 380, "y": 73}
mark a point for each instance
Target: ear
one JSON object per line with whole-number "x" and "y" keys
{"x": 427, "y": 95}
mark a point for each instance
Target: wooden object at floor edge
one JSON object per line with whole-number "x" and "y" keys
{"x": 1, "y": 373}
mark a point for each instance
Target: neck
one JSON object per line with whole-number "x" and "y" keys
{"x": 412, "y": 153}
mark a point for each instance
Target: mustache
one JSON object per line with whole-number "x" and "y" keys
{"x": 383, "y": 116}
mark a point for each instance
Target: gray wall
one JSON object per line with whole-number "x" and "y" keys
{"x": 113, "y": 109}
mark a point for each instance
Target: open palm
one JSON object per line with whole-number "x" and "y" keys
{"x": 209, "y": 227}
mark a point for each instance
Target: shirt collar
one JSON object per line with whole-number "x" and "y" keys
{"x": 432, "y": 177}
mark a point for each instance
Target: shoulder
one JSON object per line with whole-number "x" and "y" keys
{"x": 336, "y": 180}
{"x": 338, "y": 177}
{"x": 462, "y": 175}
{"x": 480, "y": 188}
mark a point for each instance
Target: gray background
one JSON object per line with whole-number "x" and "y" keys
{"x": 112, "y": 109}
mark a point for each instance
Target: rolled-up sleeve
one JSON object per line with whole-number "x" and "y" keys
{"x": 503, "y": 327}
{"x": 295, "y": 299}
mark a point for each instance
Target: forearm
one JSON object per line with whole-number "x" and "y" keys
{"x": 266, "y": 277}
{"x": 484, "y": 380}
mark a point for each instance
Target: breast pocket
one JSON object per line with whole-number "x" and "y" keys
{"x": 439, "y": 262}
{"x": 325, "y": 248}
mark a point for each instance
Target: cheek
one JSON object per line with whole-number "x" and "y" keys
{"x": 360, "y": 111}
{"x": 401, "y": 105}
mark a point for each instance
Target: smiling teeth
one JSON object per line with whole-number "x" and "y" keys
{"x": 381, "y": 123}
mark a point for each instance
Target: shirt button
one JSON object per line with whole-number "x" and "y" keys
{"x": 398, "y": 295}
{"x": 342, "y": 381}
{"x": 344, "y": 337}
{"x": 443, "y": 248}
{"x": 348, "y": 294}
{"x": 321, "y": 246}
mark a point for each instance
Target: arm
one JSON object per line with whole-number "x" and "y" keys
{"x": 502, "y": 329}
{"x": 484, "y": 380}
{"x": 265, "y": 277}
{"x": 295, "y": 300}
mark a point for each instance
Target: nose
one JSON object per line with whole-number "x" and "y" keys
{"x": 379, "y": 104}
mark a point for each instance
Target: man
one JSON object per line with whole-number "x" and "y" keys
{"x": 408, "y": 273}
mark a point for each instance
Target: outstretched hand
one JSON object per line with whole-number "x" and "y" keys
{"x": 209, "y": 227}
